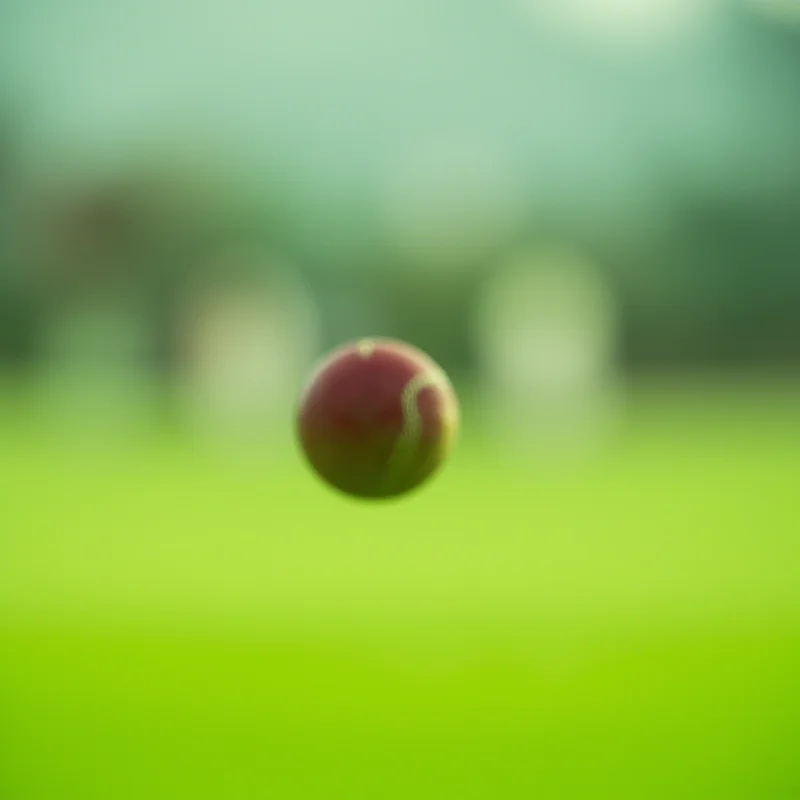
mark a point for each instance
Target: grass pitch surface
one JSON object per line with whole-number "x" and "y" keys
{"x": 175, "y": 623}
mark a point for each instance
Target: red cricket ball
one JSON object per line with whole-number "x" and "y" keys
{"x": 377, "y": 418}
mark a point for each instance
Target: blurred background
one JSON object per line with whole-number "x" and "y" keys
{"x": 588, "y": 212}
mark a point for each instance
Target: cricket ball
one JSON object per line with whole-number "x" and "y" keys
{"x": 377, "y": 418}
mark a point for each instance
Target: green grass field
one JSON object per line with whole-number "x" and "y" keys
{"x": 180, "y": 623}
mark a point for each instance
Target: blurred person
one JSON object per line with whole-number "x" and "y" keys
{"x": 245, "y": 330}
{"x": 546, "y": 334}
